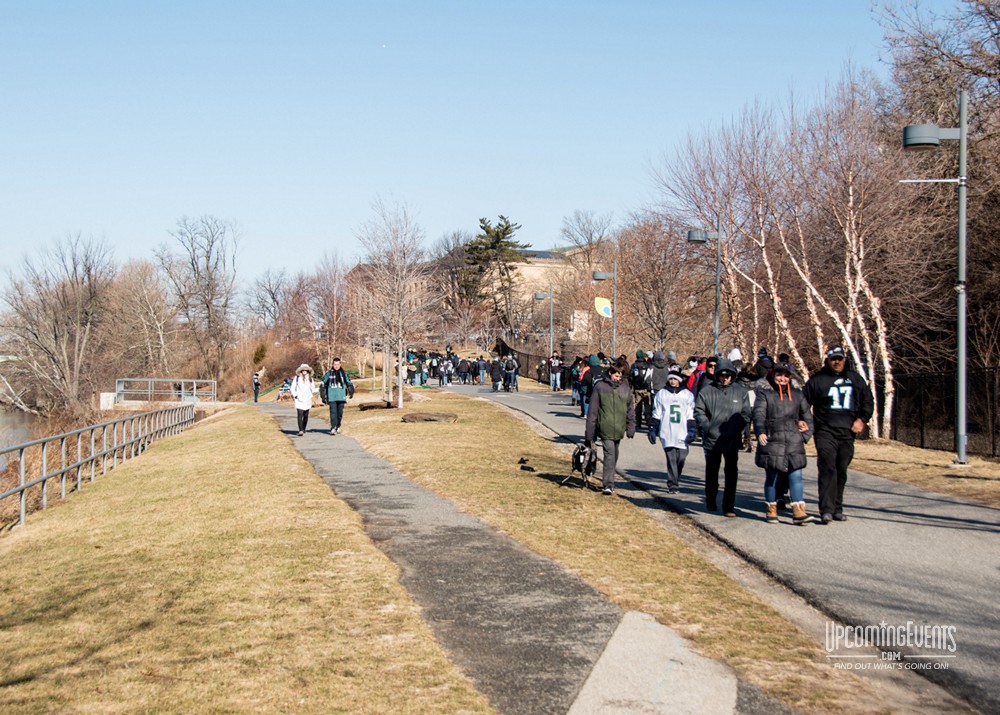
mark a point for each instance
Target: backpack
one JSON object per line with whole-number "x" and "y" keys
{"x": 510, "y": 366}
{"x": 638, "y": 376}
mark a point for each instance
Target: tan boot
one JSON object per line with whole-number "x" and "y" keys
{"x": 799, "y": 515}
{"x": 772, "y": 512}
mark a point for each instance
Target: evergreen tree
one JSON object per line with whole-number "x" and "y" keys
{"x": 494, "y": 254}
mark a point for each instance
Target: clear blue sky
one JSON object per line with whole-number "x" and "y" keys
{"x": 290, "y": 118}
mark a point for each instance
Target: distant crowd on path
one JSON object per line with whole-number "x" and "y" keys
{"x": 420, "y": 367}
{"x": 715, "y": 401}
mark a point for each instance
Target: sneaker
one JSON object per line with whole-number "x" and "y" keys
{"x": 333, "y": 431}
{"x": 826, "y": 518}
{"x": 607, "y": 490}
{"x": 300, "y": 433}
{"x": 839, "y": 516}
{"x": 731, "y": 515}
{"x": 672, "y": 490}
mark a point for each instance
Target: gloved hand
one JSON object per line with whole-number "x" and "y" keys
{"x": 692, "y": 434}
{"x": 651, "y": 436}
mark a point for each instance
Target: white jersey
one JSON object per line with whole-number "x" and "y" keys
{"x": 673, "y": 410}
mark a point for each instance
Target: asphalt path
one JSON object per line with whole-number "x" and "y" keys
{"x": 534, "y": 637}
{"x": 904, "y": 559}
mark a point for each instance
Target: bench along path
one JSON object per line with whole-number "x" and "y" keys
{"x": 533, "y": 637}
{"x": 904, "y": 556}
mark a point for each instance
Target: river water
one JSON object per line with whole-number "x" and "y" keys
{"x": 15, "y": 427}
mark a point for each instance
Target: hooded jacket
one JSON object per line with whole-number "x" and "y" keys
{"x": 658, "y": 379}
{"x": 722, "y": 411}
{"x": 776, "y": 413}
{"x": 611, "y": 414}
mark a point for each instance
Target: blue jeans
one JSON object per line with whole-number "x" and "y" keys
{"x": 794, "y": 485}
{"x": 554, "y": 380}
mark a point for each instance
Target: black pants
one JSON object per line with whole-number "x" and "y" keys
{"x": 336, "y": 414}
{"x": 303, "y": 416}
{"x": 256, "y": 392}
{"x": 713, "y": 460}
{"x": 833, "y": 457}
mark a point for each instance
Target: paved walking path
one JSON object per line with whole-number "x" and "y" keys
{"x": 904, "y": 555}
{"x": 533, "y": 637}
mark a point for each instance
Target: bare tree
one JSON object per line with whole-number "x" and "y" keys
{"x": 328, "y": 309}
{"x": 55, "y": 306}
{"x": 588, "y": 232}
{"x": 394, "y": 273}
{"x": 267, "y": 297}
{"x": 140, "y": 335}
{"x": 203, "y": 279}
{"x": 658, "y": 291}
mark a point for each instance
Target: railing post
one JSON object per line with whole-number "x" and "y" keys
{"x": 24, "y": 494}
{"x": 79, "y": 458}
{"x": 62, "y": 456}
{"x": 104, "y": 449}
{"x": 92, "y": 457}
{"x": 45, "y": 470}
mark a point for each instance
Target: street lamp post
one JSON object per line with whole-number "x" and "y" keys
{"x": 543, "y": 296}
{"x": 700, "y": 236}
{"x": 613, "y": 276}
{"x": 929, "y": 136}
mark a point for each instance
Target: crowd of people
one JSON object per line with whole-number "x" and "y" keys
{"x": 421, "y": 366}
{"x": 718, "y": 403}
{"x": 715, "y": 402}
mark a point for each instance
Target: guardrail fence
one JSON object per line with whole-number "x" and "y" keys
{"x": 93, "y": 448}
{"x": 158, "y": 389}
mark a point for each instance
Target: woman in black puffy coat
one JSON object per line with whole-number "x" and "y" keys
{"x": 783, "y": 424}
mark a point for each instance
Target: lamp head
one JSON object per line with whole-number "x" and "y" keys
{"x": 698, "y": 236}
{"x": 541, "y": 296}
{"x": 921, "y": 137}
{"x": 602, "y": 276}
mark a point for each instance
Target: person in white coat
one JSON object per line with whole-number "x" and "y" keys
{"x": 302, "y": 390}
{"x": 673, "y": 423}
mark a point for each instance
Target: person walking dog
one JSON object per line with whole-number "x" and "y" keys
{"x": 610, "y": 416}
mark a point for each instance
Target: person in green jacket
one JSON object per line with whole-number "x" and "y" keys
{"x": 610, "y": 416}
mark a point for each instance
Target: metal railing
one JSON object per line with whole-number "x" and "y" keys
{"x": 93, "y": 448}
{"x": 158, "y": 389}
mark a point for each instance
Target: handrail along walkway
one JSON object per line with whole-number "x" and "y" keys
{"x": 129, "y": 437}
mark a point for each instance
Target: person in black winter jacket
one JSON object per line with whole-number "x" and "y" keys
{"x": 783, "y": 423}
{"x": 841, "y": 403}
{"x": 337, "y": 389}
{"x": 722, "y": 410}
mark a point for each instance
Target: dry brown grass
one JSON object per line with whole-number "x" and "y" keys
{"x": 215, "y": 572}
{"x": 931, "y": 470}
{"x": 610, "y": 543}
